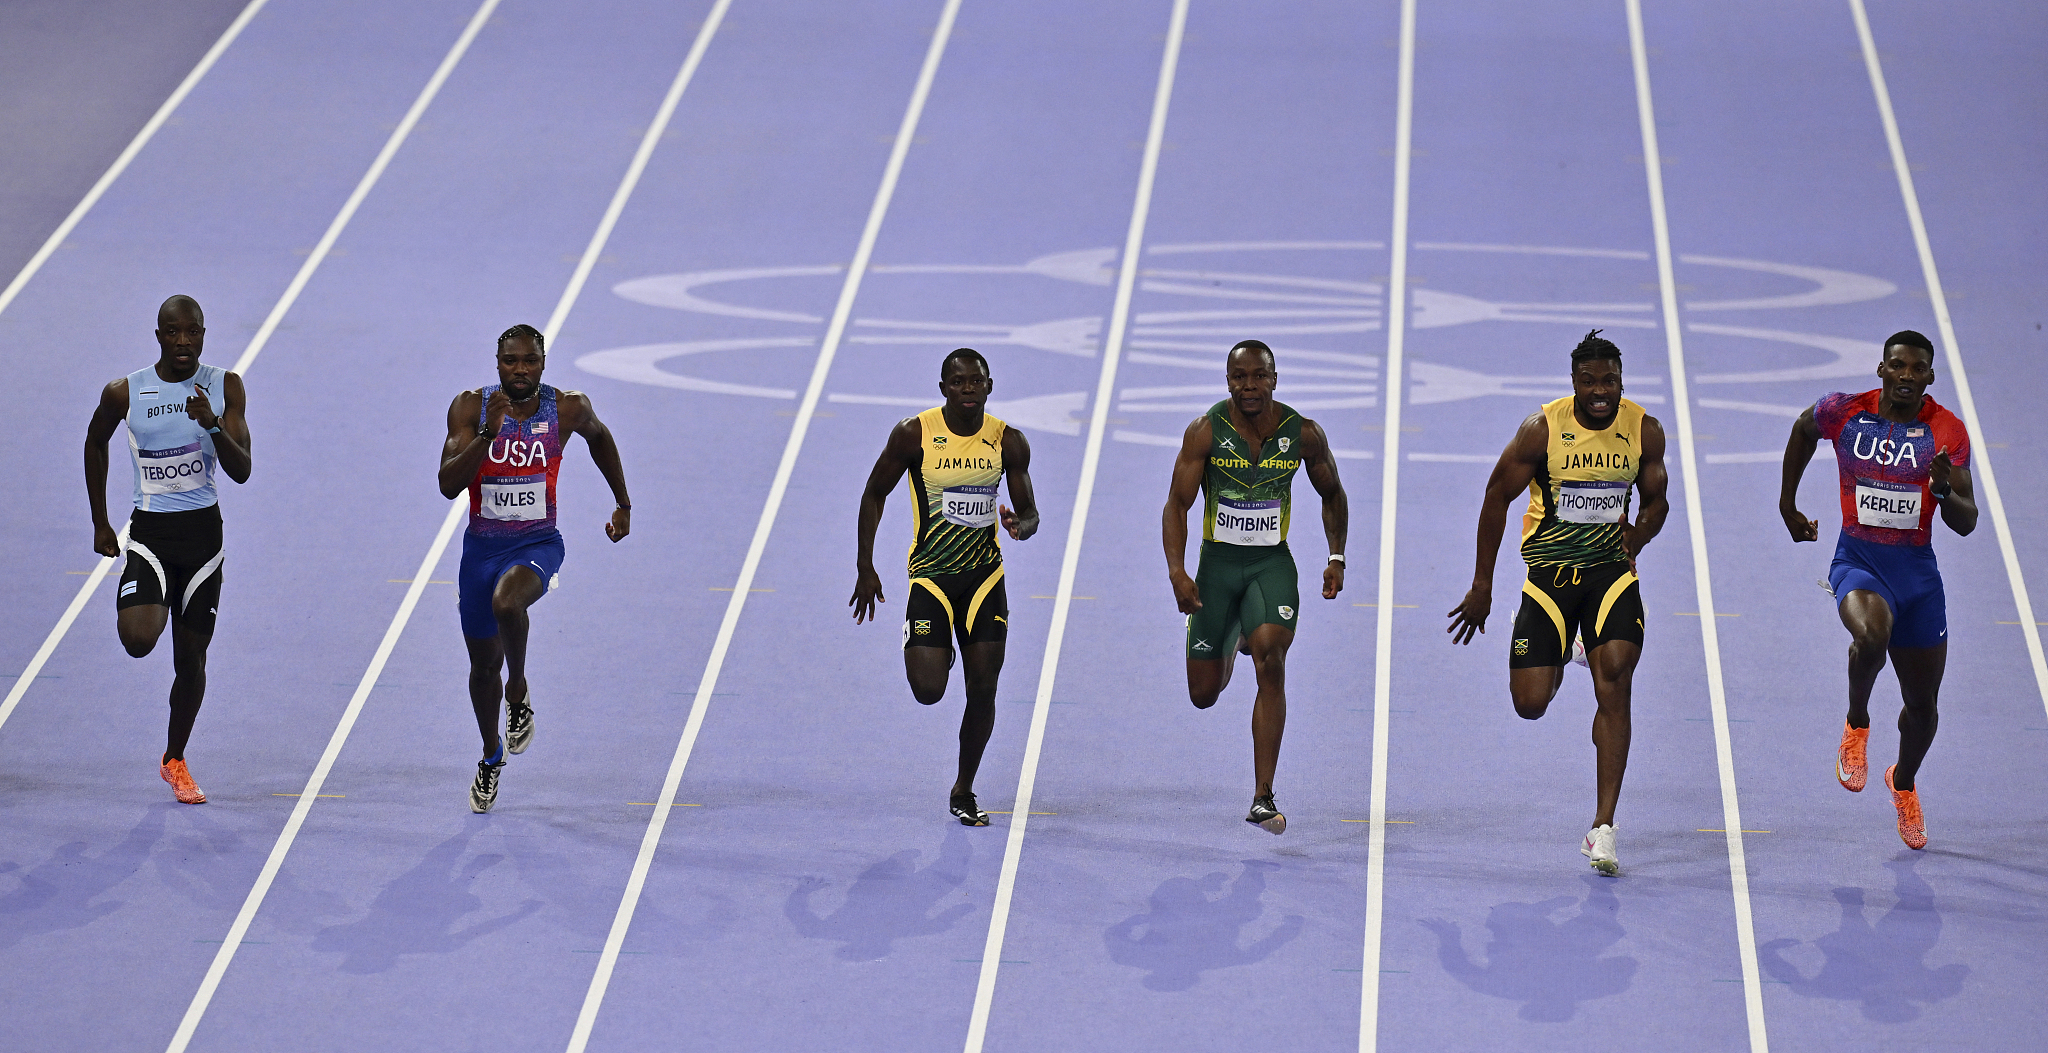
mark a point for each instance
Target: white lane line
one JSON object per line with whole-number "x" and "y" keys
{"x": 1390, "y": 476}
{"x": 835, "y": 332}
{"x": 63, "y": 626}
{"x": 254, "y": 900}
{"x": 314, "y": 783}
{"x": 634, "y": 170}
{"x": 35, "y": 264}
{"x": 1681, "y": 402}
{"x": 1070, "y": 561}
{"x": 362, "y": 190}
{"x": 135, "y": 145}
{"x": 1980, "y": 452}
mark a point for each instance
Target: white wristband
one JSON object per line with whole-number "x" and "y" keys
{"x": 1336, "y": 557}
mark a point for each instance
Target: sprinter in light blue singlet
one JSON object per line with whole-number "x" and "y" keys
{"x": 185, "y": 419}
{"x": 505, "y": 444}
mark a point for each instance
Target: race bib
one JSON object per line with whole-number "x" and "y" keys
{"x": 969, "y": 506}
{"x": 1593, "y": 501}
{"x": 172, "y": 471}
{"x": 1879, "y": 505}
{"x": 1255, "y": 523}
{"x": 514, "y": 499}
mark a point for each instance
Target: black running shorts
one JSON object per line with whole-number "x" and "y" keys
{"x": 174, "y": 560}
{"x": 1597, "y": 604}
{"x": 972, "y": 607}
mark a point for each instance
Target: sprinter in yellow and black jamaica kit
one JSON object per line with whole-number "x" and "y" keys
{"x": 1578, "y": 458}
{"x": 955, "y": 455}
{"x": 1241, "y": 457}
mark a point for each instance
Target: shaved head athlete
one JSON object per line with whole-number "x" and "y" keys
{"x": 1577, "y": 458}
{"x": 1246, "y": 594}
{"x": 955, "y": 455}
{"x": 1901, "y": 456}
{"x": 504, "y": 446}
{"x": 184, "y": 418}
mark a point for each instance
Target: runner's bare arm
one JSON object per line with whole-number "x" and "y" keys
{"x": 1652, "y": 480}
{"x": 1188, "y": 466}
{"x": 1959, "y": 508}
{"x": 577, "y": 416}
{"x": 1023, "y": 522}
{"x": 1511, "y": 475}
{"x": 1799, "y": 447}
{"x": 106, "y": 416}
{"x": 231, "y": 446}
{"x": 901, "y": 454}
{"x": 465, "y": 448}
{"x": 1322, "y": 474}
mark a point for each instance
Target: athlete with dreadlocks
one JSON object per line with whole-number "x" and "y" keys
{"x": 1901, "y": 456}
{"x": 955, "y": 454}
{"x": 1578, "y": 458}
{"x": 505, "y": 447}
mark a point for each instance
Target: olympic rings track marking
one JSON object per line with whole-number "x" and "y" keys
{"x": 211, "y": 982}
{"x": 1695, "y": 517}
{"x": 842, "y": 313}
{"x": 35, "y": 264}
{"x": 1390, "y": 469}
{"x": 1070, "y": 562}
{"x": 1938, "y": 300}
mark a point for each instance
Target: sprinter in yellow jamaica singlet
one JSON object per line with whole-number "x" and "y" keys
{"x": 1577, "y": 458}
{"x": 954, "y": 455}
{"x": 1241, "y": 458}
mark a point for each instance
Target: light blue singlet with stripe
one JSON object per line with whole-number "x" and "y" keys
{"x": 173, "y": 455}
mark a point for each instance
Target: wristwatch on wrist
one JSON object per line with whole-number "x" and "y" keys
{"x": 1941, "y": 494}
{"x": 1336, "y": 557}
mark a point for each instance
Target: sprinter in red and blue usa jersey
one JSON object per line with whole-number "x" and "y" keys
{"x": 1901, "y": 456}
{"x": 505, "y": 445}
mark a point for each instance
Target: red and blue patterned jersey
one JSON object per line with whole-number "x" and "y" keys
{"x": 1885, "y": 464}
{"x": 513, "y": 494}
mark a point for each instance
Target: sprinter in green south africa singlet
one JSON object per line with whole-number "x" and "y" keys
{"x": 1248, "y": 493}
{"x": 1247, "y": 576}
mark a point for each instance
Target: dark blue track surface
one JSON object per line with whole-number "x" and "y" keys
{"x": 808, "y": 891}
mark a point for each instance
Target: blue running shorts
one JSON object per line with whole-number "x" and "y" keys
{"x": 485, "y": 560}
{"x": 1908, "y": 579}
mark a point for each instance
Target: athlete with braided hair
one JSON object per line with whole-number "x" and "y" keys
{"x": 1578, "y": 458}
{"x": 504, "y": 446}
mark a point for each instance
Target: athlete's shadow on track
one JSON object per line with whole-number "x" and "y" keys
{"x": 417, "y": 912}
{"x": 1876, "y": 963}
{"x": 891, "y": 900}
{"x": 63, "y": 892}
{"x": 1548, "y": 966}
{"x": 1188, "y": 932}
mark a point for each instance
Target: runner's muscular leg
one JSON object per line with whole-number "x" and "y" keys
{"x": 1533, "y": 687}
{"x": 485, "y": 689}
{"x": 1207, "y": 677}
{"x": 981, "y": 663}
{"x": 1269, "y": 712}
{"x": 140, "y": 626}
{"x": 1919, "y": 670}
{"x": 518, "y": 588}
{"x": 927, "y": 669}
{"x": 1614, "y": 668}
{"x": 188, "y": 684}
{"x": 1869, "y": 621}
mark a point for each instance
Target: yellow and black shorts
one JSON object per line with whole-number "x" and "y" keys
{"x": 972, "y": 606}
{"x": 1598, "y": 604}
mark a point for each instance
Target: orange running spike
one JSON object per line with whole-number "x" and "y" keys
{"x": 181, "y": 783}
{"x": 1912, "y": 826}
{"x": 1852, "y": 763}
